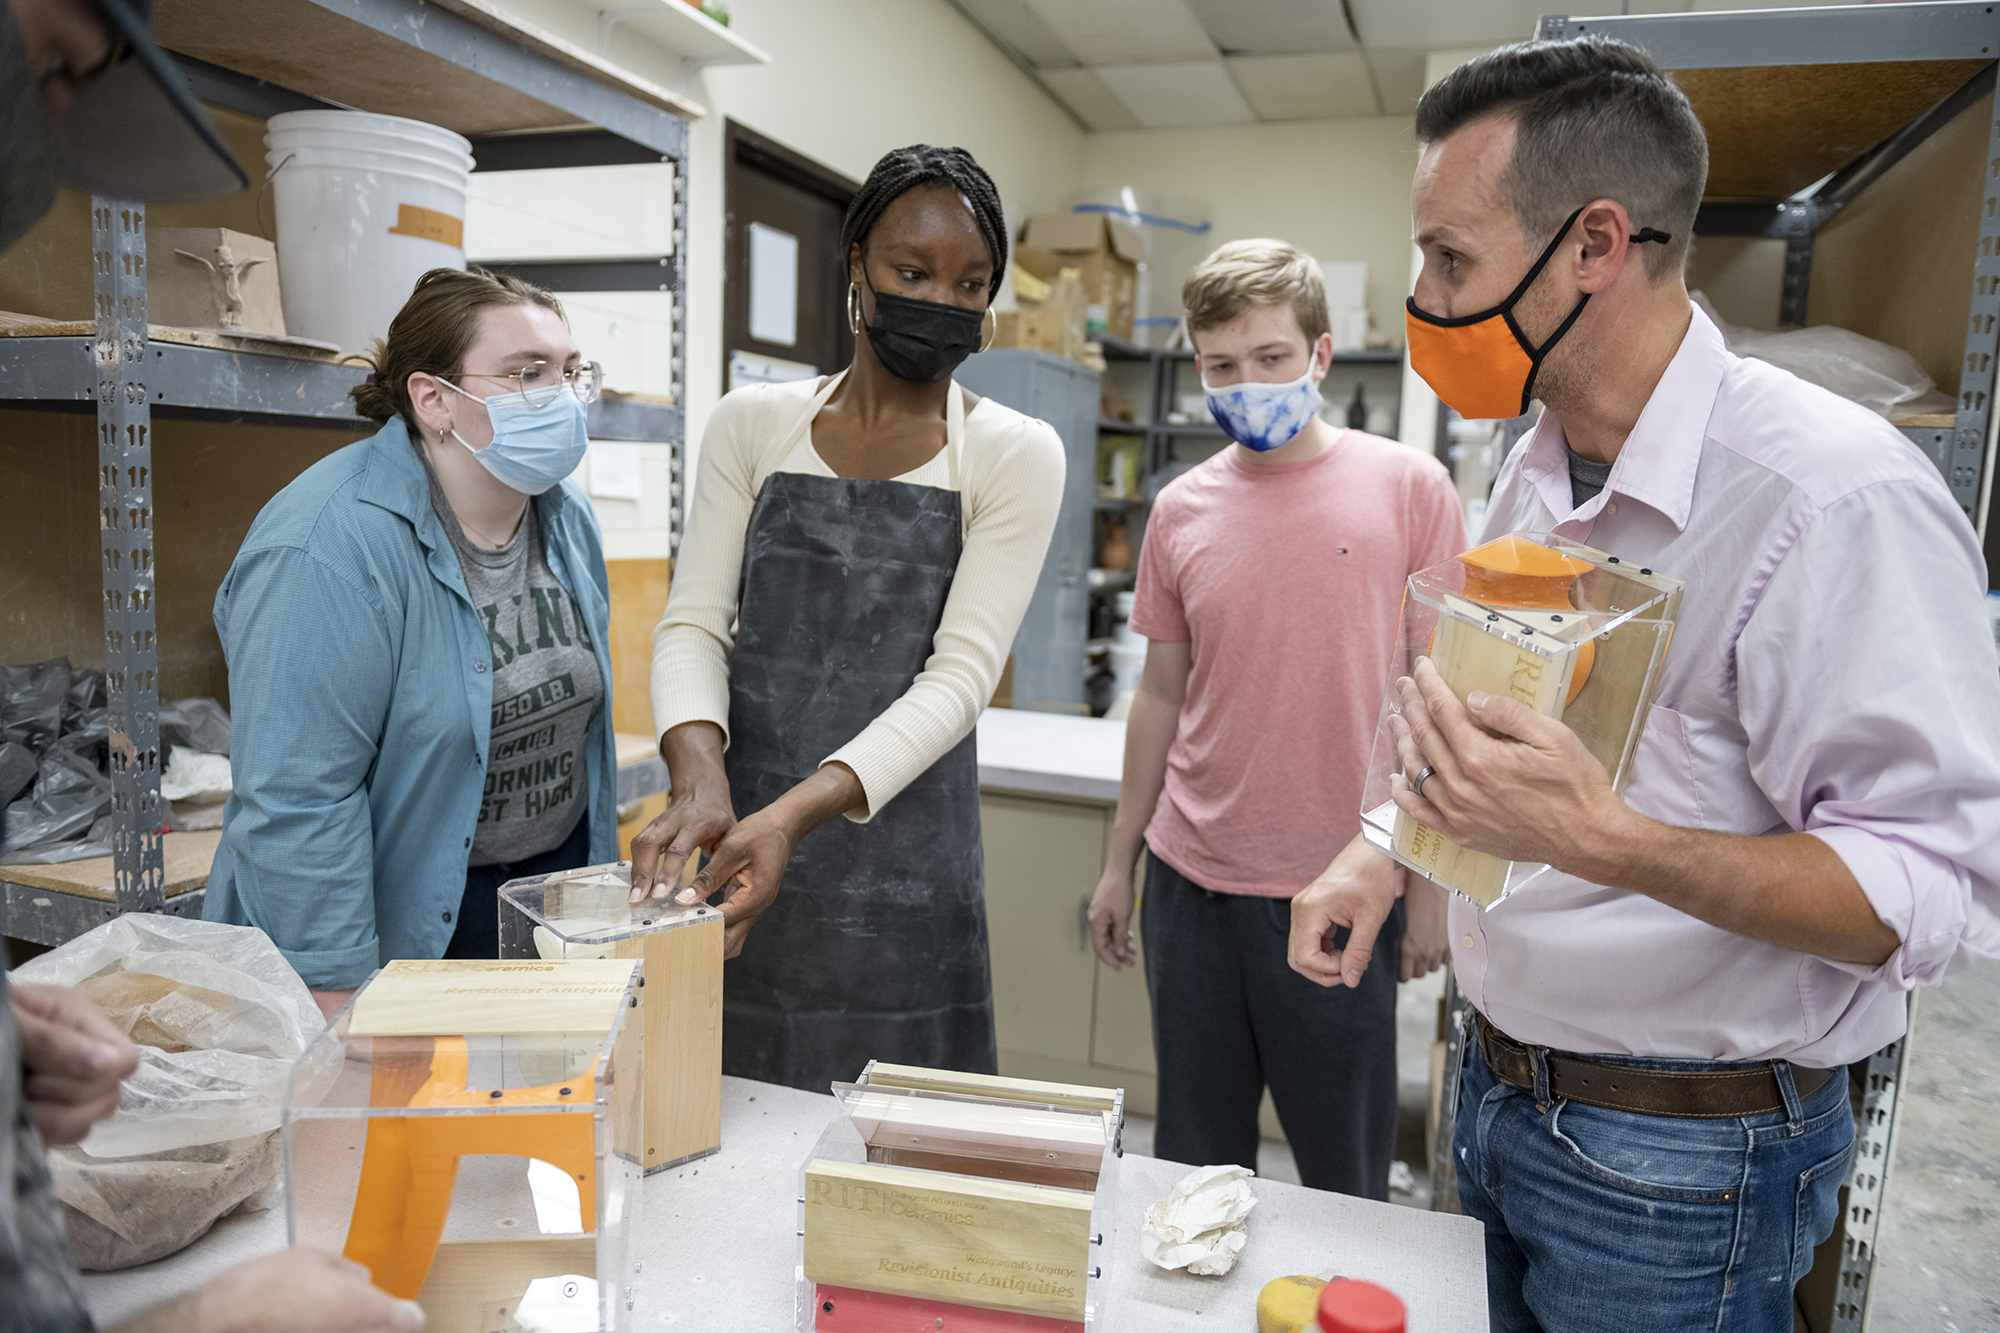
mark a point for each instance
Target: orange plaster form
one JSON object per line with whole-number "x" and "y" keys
{"x": 1511, "y": 572}
{"x": 410, "y": 1165}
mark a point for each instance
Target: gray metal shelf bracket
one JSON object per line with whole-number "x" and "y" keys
{"x": 125, "y": 521}
{"x": 676, "y": 478}
{"x": 1868, "y": 1178}
{"x": 1457, "y": 1030}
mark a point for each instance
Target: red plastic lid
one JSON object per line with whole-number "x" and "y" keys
{"x": 1349, "y": 1306}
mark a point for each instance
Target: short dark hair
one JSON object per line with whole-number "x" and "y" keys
{"x": 906, "y": 169}
{"x": 1596, "y": 118}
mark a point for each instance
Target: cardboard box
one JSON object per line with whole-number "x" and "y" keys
{"x": 1107, "y": 252}
{"x": 1035, "y": 329}
{"x": 212, "y": 278}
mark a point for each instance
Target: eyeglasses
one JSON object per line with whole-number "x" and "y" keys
{"x": 539, "y": 382}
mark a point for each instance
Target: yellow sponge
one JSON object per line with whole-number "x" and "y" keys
{"x": 1288, "y": 1304}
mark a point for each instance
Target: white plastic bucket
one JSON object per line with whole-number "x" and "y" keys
{"x": 366, "y": 205}
{"x": 1127, "y": 665}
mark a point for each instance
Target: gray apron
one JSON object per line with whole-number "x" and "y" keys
{"x": 876, "y": 945}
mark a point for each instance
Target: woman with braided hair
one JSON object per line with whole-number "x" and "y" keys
{"x": 860, "y": 552}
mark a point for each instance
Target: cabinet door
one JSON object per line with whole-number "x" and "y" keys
{"x": 1043, "y": 858}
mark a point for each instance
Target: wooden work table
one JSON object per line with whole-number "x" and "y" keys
{"x": 720, "y": 1246}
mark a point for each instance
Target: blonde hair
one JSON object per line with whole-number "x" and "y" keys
{"x": 1256, "y": 273}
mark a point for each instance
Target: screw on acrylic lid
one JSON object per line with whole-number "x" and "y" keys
{"x": 1350, "y": 1306}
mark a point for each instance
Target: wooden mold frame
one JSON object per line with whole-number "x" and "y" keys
{"x": 440, "y": 1078}
{"x": 584, "y": 914}
{"x": 995, "y": 1209}
{"x": 1572, "y": 632}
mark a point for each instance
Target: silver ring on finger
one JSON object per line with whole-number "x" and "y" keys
{"x": 1418, "y": 785}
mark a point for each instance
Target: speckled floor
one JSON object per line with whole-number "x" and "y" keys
{"x": 1937, "y": 1263}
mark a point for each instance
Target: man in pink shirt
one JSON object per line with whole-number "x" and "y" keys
{"x": 1654, "y": 1122}
{"x": 1270, "y": 581}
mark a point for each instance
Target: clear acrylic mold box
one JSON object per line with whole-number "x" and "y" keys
{"x": 1572, "y": 632}
{"x": 470, "y": 1133}
{"x": 941, "y": 1200}
{"x": 585, "y": 914}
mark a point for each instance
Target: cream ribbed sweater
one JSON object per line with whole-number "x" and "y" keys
{"x": 1011, "y": 487}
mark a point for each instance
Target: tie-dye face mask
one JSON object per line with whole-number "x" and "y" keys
{"x": 1265, "y": 416}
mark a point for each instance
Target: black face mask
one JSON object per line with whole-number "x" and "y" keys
{"x": 922, "y": 341}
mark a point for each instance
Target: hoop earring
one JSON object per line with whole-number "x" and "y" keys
{"x": 853, "y": 309}
{"x": 989, "y": 337}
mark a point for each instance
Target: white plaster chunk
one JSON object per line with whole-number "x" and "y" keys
{"x": 1200, "y": 1224}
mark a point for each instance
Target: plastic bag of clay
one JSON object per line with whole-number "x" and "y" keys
{"x": 122, "y": 1211}
{"x": 17, "y": 771}
{"x": 220, "y": 1019}
{"x": 31, "y": 702}
{"x": 84, "y": 703}
{"x": 199, "y": 724}
{"x": 1884, "y": 379}
{"x": 52, "y": 820}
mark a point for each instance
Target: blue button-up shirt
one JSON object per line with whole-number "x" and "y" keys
{"x": 361, "y": 694}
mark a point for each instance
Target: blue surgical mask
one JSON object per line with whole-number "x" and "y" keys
{"x": 533, "y": 447}
{"x": 1265, "y": 416}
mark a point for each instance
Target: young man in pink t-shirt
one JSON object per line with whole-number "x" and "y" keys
{"x": 1270, "y": 581}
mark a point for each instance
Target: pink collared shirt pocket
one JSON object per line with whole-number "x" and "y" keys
{"x": 1663, "y": 784}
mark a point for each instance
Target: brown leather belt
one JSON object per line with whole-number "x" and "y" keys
{"x": 1694, "y": 1095}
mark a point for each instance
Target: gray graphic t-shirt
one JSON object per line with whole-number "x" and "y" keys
{"x": 546, "y": 691}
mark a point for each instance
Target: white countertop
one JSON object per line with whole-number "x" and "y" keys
{"x": 721, "y": 1250}
{"x": 1051, "y": 754}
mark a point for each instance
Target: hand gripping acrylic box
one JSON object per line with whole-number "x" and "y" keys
{"x": 584, "y": 914}
{"x": 1573, "y": 633}
{"x": 469, "y": 1132}
{"x": 960, "y": 1201}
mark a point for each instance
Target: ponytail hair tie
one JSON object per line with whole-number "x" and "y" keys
{"x": 371, "y": 377}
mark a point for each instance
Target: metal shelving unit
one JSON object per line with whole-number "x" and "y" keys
{"x": 1944, "y": 64}
{"x": 525, "y": 99}
{"x": 1159, "y": 433}
{"x": 1956, "y": 43}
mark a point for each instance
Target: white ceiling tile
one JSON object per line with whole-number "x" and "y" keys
{"x": 1126, "y": 32}
{"x": 1274, "y": 27}
{"x": 1399, "y": 77}
{"x": 1084, "y": 93}
{"x": 1324, "y": 86}
{"x": 1437, "y": 64}
{"x": 1179, "y": 96}
{"x": 1445, "y": 23}
{"x": 1015, "y": 25}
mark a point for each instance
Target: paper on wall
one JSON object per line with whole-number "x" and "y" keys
{"x": 614, "y": 471}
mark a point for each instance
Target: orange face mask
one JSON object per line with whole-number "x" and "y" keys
{"x": 1483, "y": 366}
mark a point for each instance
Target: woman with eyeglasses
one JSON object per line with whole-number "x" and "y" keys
{"x": 858, "y": 557}
{"x": 416, "y": 631}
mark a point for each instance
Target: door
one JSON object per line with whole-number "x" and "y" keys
{"x": 784, "y": 310}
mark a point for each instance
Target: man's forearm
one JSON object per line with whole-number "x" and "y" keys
{"x": 1787, "y": 889}
{"x": 1149, "y": 735}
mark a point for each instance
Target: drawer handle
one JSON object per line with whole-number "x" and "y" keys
{"x": 1083, "y": 925}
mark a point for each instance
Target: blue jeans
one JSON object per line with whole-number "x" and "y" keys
{"x": 1610, "y": 1221}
